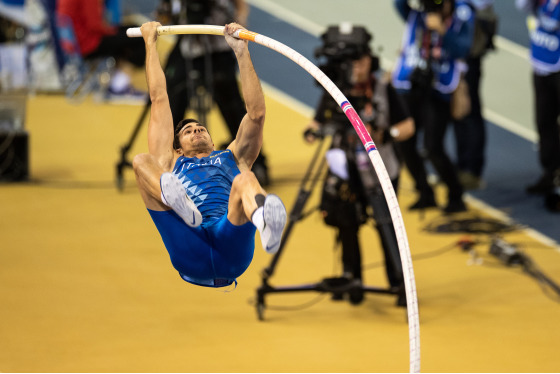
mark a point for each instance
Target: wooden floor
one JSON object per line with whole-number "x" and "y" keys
{"x": 87, "y": 286}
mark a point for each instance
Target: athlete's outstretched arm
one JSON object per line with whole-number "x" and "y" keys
{"x": 160, "y": 127}
{"x": 248, "y": 142}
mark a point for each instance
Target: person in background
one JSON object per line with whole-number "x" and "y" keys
{"x": 470, "y": 132}
{"x": 98, "y": 38}
{"x": 544, "y": 30}
{"x": 438, "y": 36}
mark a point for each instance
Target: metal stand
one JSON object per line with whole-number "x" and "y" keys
{"x": 124, "y": 162}
{"x": 315, "y": 172}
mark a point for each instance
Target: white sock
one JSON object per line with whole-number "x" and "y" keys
{"x": 258, "y": 218}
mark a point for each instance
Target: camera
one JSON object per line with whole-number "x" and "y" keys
{"x": 428, "y": 6}
{"x": 341, "y": 45}
{"x": 422, "y": 77}
{"x": 344, "y": 42}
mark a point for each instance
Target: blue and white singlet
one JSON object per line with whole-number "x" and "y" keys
{"x": 208, "y": 181}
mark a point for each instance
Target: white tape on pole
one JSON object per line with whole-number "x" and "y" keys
{"x": 383, "y": 176}
{"x": 135, "y": 32}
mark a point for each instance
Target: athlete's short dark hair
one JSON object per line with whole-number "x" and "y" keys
{"x": 179, "y": 126}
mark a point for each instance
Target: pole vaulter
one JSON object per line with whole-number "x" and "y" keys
{"x": 381, "y": 171}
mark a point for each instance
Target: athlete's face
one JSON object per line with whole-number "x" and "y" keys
{"x": 195, "y": 137}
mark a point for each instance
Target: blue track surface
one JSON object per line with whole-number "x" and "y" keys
{"x": 511, "y": 21}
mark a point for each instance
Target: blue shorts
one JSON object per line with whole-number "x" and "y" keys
{"x": 212, "y": 256}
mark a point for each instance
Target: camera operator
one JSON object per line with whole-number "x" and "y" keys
{"x": 206, "y": 59}
{"x": 438, "y": 35}
{"x": 470, "y": 131}
{"x": 351, "y": 185}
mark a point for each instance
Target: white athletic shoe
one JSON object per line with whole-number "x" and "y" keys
{"x": 274, "y": 214}
{"x": 176, "y": 197}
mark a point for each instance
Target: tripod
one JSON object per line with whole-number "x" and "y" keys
{"x": 314, "y": 173}
{"x": 199, "y": 88}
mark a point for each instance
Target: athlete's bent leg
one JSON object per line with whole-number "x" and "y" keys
{"x": 148, "y": 172}
{"x": 248, "y": 201}
{"x": 155, "y": 184}
{"x": 242, "y": 201}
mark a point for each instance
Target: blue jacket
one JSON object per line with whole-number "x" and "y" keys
{"x": 545, "y": 34}
{"x": 455, "y": 46}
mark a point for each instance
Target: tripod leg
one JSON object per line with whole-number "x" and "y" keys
{"x": 307, "y": 185}
{"x": 125, "y": 148}
{"x": 198, "y": 92}
{"x": 225, "y": 91}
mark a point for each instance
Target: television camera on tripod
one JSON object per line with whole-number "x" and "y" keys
{"x": 351, "y": 193}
